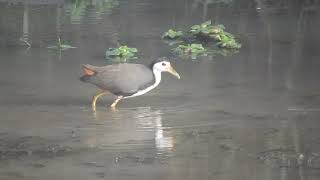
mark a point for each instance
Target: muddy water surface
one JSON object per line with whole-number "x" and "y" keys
{"x": 252, "y": 115}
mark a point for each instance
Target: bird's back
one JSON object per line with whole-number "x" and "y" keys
{"x": 120, "y": 79}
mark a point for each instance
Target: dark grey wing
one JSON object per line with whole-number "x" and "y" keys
{"x": 123, "y": 79}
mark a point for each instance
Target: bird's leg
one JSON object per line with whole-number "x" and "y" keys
{"x": 113, "y": 105}
{"x": 95, "y": 98}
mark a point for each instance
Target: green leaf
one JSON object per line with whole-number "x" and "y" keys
{"x": 220, "y": 26}
{"x": 171, "y": 34}
{"x": 112, "y": 52}
{"x": 122, "y": 52}
{"x": 205, "y": 31}
{"x": 195, "y": 27}
{"x": 206, "y": 23}
{"x": 61, "y": 47}
{"x": 66, "y": 46}
{"x": 229, "y": 43}
{"x": 192, "y": 50}
{"x": 134, "y": 50}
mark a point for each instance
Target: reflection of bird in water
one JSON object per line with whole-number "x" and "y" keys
{"x": 125, "y": 80}
{"x": 163, "y": 140}
{"x": 134, "y": 126}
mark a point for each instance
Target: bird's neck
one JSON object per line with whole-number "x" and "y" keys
{"x": 157, "y": 76}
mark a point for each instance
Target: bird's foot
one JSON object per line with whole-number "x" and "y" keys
{"x": 114, "y": 104}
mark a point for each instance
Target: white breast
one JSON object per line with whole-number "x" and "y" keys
{"x": 157, "y": 75}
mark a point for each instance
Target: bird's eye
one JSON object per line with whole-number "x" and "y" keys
{"x": 163, "y": 64}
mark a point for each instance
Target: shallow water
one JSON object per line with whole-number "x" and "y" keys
{"x": 251, "y": 115}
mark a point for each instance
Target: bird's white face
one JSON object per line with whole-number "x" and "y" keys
{"x": 162, "y": 65}
{"x": 165, "y": 66}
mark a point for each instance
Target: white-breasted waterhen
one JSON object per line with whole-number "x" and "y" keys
{"x": 125, "y": 80}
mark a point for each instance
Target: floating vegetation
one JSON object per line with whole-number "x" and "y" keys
{"x": 172, "y": 34}
{"x": 206, "y": 29}
{"x": 61, "y": 46}
{"x": 191, "y": 50}
{"x": 227, "y": 40}
{"x": 216, "y": 32}
{"x": 192, "y": 43}
{"x": 121, "y": 53}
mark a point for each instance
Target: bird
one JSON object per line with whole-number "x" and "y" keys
{"x": 125, "y": 80}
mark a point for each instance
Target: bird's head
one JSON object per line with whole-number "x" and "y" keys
{"x": 163, "y": 65}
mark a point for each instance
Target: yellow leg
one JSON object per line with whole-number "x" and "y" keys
{"x": 95, "y": 98}
{"x": 113, "y": 105}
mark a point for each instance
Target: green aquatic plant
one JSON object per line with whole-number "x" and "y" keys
{"x": 192, "y": 50}
{"x": 172, "y": 37}
{"x": 203, "y": 34}
{"x": 61, "y": 46}
{"x": 206, "y": 29}
{"x": 172, "y": 34}
{"x": 121, "y": 52}
{"x": 227, "y": 40}
{"x": 216, "y": 32}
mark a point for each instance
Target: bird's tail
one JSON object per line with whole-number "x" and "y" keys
{"x": 88, "y": 72}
